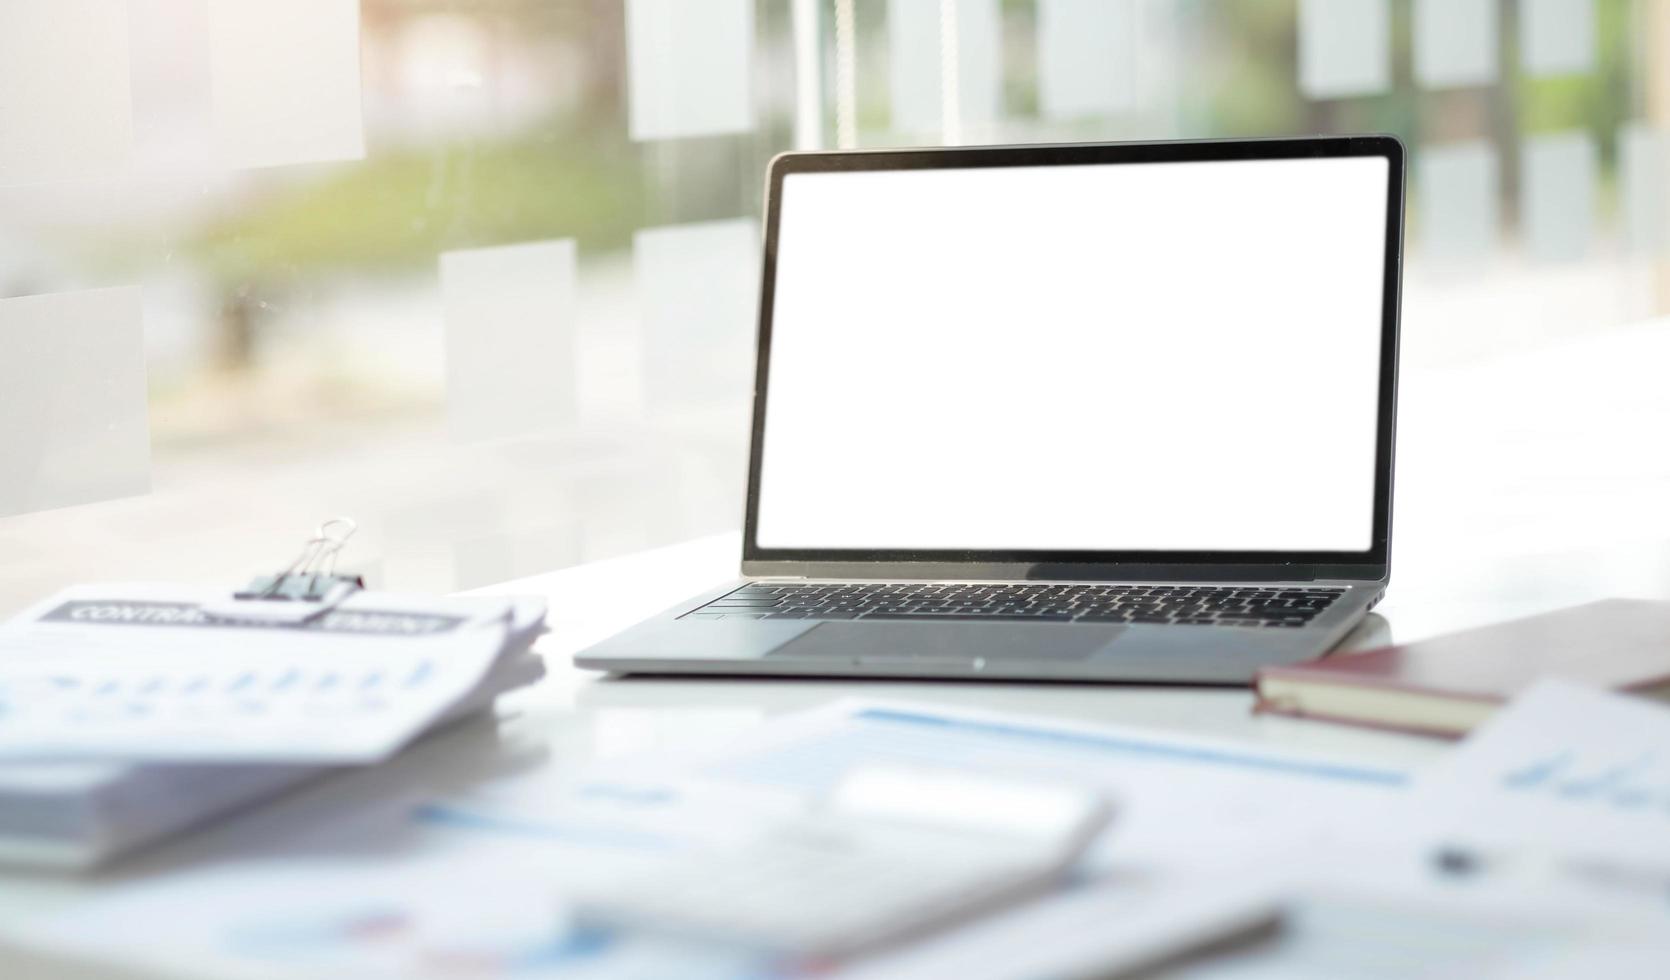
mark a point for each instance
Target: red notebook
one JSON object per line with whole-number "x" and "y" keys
{"x": 1448, "y": 684}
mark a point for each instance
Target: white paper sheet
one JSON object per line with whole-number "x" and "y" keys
{"x": 1100, "y": 929}
{"x": 1644, "y": 179}
{"x": 286, "y": 81}
{"x": 1458, "y": 188}
{"x": 698, "y": 288}
{"x": 510, "y": 327}
{"x": 1344, "y": 48}
{"x": 140, "y": 672}
{"x": 1364, "y": 934}
{"x": 1182, "y": 803}
{"x": 689, "y": 67}
{"x": 1563, "y": 770}
{"x": 917, "y": 35}
{"x": 1557, "y": 196}
{"x": 66, "y": 111}
{"x": 430, "y": 917}
{"x": 1455, "y": 42}
{"x": 1556, "y": 37}
{"x": 1172, "y": 792}
{"x": 1155, "y": 891}
{"x": 1086, "y": 57}
{"x": 73, "y": 423}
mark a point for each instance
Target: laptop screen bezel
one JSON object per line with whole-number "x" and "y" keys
{"x": 1373, "y": 563}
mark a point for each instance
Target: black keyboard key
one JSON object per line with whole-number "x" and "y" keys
{"x": 1114, "y": 603}
{"x": 936, "y": 617}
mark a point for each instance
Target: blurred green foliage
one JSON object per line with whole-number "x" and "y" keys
{"x": 581, "y": 178}
{"x": 1598, "y": 101}
{"x": 396, "y": 210}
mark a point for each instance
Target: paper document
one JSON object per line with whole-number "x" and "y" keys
{"x": 529, "y": 840}
{"x": 1369, "y": 936}
{"x": 1181, "y": 800}
{"x": 140, "y": 672}
{"x": 1200, "y": 824}
{"x": 1562, "y": 769}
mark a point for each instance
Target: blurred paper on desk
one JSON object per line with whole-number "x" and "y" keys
{"x": 71, "y": 816}
{"x": 1173, "y": 791}
{"x": 141, "y": 673}
{"x": 1563, "y": 769}
{"x": 1204, "y": 825}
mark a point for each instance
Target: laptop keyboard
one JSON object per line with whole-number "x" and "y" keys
{"x": 1180, "y": 604}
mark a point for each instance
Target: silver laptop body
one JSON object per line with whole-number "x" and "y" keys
{"x": 1098, "y": 412}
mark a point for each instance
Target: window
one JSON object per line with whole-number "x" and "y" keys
{"x": 481, "y": 273}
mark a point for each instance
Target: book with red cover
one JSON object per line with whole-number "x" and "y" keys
{"x": 1447, "y": 684}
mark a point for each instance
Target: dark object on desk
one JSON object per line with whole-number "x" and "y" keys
{"x": 1112, "y": 412}
{"x": 1448, "y": 684}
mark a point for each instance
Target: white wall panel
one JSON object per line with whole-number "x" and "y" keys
{"x": 73, "y": 421}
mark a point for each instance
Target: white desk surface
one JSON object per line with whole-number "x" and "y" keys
{"x": 1523, "y": 484}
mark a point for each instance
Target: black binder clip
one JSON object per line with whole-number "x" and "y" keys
{"x": 307, "y": 588}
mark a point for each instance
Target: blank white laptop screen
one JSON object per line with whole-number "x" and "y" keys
{"x": 1103, "y": 357}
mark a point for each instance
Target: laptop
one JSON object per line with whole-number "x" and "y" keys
{"x": 1100, "y": 412}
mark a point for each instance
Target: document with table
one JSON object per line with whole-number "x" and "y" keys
{"x": 131, "y": 711}
{"x": 142, "y": 672}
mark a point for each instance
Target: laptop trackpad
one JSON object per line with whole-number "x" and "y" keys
{"x": 949, "y": 641}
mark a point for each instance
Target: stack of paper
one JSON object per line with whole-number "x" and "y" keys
{"x": 128, "y": 712}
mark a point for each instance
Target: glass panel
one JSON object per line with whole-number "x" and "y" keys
{"x": 689, "y": 66}
{"x": 303, "y": 358}
{"x": 697, "y": 286}
{"x": 1086, "y": 55}
{"x": 1455, "y": 42}
{"x": 913, "y": 47}
{"x": 1344, "y": 47}
{"x": 1457, "y": 190}
{"x": 65, "y": 110}
{"x": 504, "y": 556}
{"x": 944, "y": 55}
{"x": 1557, "y": 200}
{"x": 509, "y": 339}
{"x": 173, "y": 108}
{"x": 978, "y": 76}
{"x": 273, "y": 107}
{"x": 1644, "y": 167}
{"x": 1557, "y": 37}
{"x": 73, "y": 426}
